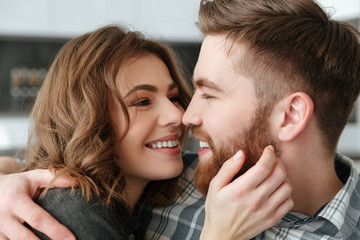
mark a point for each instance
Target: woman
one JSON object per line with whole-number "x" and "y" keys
{"x": 109, "y": 115}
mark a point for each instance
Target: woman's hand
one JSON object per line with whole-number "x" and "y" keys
{"x": 253, "y": 202}
{"x": 17, "y": 206}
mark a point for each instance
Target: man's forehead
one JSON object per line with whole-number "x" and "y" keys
{"x": 218, "y": 61}
{"x": 213, "y": 84}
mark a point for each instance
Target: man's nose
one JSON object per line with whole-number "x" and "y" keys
{"x": 192, "y": 115}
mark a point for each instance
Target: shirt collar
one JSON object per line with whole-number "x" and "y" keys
{"x": 335, "y": 210}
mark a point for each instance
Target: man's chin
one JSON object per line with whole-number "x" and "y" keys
{"x": 204, "y": 173}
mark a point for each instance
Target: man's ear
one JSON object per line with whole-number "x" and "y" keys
{"x": 295, "y": 112}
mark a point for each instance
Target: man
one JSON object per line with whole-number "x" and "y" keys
{"x": 282, "y": 73}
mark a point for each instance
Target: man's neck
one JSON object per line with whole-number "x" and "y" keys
{"x": 314, "y": 181}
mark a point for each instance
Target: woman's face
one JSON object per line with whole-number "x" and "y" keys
{"x": 150, "y": 149}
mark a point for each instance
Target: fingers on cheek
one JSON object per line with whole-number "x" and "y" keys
{"x": 272, "y": 207}
{"x": 263, "y": 171}
{"x": 229, "y": 165}
{"x": 268, "y": 159}
{"x": 280, "y": 172}
{"x": 276, "y": 179}
{"x": 286, "y": 189}
{"x": 271, "y": 214}
{"x": 212, "y": 187}
{"x": 280, "y": 196}
{"x": 282, "y": 210}
{"x": 223, "y": 177}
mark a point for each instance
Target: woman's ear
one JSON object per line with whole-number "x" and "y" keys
{"x": 295, "y": 112}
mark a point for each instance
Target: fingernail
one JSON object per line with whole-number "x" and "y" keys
{"x": 271, "y": 148}
{"x": 238, "y": 156}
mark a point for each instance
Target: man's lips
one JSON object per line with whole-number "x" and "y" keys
{"x": 203, "y": 144}
{"x": 204, "y": 140}
{"x": 204, "y": 148}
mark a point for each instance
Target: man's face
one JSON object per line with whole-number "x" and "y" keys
{"x": 224, "y": 111}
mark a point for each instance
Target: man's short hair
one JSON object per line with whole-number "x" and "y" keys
{"x": 293, "y": 45}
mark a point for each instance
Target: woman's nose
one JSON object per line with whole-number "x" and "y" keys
{"x": 171, "y": 114}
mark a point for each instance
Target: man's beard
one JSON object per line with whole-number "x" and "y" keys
{"x": 251, "y": 140}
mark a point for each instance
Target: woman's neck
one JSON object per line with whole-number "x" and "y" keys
{"x": 134, "y": 188}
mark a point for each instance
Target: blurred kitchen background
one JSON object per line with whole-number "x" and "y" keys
{"x": 31, "y": 33}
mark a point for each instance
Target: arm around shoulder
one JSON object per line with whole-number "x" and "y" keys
{"x": 86, "y": 220}
{"x": 8, "y": 165}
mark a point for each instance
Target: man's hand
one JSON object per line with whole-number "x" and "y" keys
{"x": 253, "y": 202}
{"x": 17, "y": 206}
{"x": 9, "y": 165}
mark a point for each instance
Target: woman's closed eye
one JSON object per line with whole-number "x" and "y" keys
{"x": 174, "y": 98}
{"x": 141, "y": 103}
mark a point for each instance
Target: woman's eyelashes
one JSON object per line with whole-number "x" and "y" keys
{"x": 174, "y": 98}
{"x": 141, "y": 103}
{"x": 144, "y": 102}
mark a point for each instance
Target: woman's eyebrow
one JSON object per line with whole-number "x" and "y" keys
{"x": 172, "y": 86}
{"x": 147, "y": 87}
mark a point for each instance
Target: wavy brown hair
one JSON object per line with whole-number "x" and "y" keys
{"x": 71, "y": 131}
{"x": 293, "y": 45}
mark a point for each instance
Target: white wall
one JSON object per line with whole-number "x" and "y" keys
{"x": 170, "y": 19}
{"x": 13, "y": 132}
{"x": 342, "y": 9}
{"x": 173, "y": 20}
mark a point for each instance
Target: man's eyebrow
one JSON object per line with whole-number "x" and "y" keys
{"x": 207, "y": 84}
{"x": 147, "y": 87}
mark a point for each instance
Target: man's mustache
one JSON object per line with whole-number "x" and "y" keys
{"x": 198, "y": 133}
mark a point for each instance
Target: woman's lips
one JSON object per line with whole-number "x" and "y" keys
{"x": 167, "y": 145}
{"x": 169, "y": 141}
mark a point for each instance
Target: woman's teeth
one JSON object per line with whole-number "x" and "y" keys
{"x": 204, "y": 144}
{"x": 165, "y": 144}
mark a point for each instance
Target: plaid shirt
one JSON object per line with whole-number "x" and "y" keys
{"x": 338, "y": 219}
